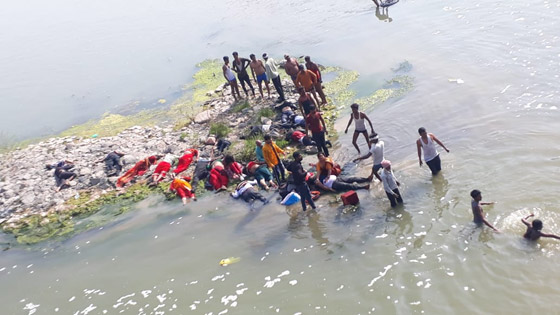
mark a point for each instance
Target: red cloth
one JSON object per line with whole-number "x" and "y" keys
{"x": 162, "y": 167}
{"x": 185, "y": 161}
{"x": 297, "y": 135}
{"x": 218, "y": 177}
{"x": 137, "y": 170}
{"x": 184, "y": 192}
{"x": 313, "y": 121}
{"x": 236, "y": 168}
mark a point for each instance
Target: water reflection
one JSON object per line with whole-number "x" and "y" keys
{"x": 441, "y": 187}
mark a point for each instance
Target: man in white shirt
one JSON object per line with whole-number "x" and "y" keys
{"x": 377, "y": 150}
{"x": 390, "y": 184}
{"x": 272, "y": 73}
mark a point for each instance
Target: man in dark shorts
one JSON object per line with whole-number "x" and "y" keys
{"x": 307, "y": 80}
{"x": 257, "y": 67}
{"x": 240, "y": 67}
{"x": 431, "y": 156}
{"x": 314, "y": 122}
{"x": 299, "y": 175}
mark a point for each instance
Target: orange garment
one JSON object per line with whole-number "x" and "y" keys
{"x": 307, "y": 79}
{"x": 137, "y": 170}
{"x": 324, "y": 167}
{"x": 270, "y": 157}
{"x": 182, "y": 188}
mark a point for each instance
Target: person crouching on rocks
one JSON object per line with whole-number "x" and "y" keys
{"x": 62, "y": 174}
{"x": 233, "y": 169}
{"x": 139, "y": 169}
{"x": 182, "y": 188}
{"x": 262, "y": 175}
{"x": 247, "y": 192}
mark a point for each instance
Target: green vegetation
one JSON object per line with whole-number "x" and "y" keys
{"x": 220, "y": 130}
{"x": 265, "y": 112}
{"x": 239, "y": 107}
{"x": 36, "y": 228}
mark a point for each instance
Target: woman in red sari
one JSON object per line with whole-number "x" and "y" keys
{"x": 137, "y": 170}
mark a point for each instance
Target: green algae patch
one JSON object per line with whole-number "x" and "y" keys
{"x": 396, "y": 87}
{"x": 38, "y": 228}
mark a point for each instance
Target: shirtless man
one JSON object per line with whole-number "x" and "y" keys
{"x": 534, "y": 228}
{"x": 478, "y": 214}
{"x": 291, "y": 67}
{"x": 240, "y": 66}
{"x": 313, "y": 67}
{"x": 230, "y": 77}
{"x": 257, "y": 67}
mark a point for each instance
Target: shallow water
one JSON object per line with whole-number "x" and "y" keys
{"x": 501, "y": 125}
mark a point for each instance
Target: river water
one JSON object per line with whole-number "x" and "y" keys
{"x": 500, "y": 121}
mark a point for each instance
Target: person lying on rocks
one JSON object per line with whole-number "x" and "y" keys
{"x": 62, "y": 173}
{"x": 262, "y": 175}
{"x": 248, "y": 192}
{"x": 338, "y": 184}
{"x": 183, "y": 189}
{"x": 112, "y": 161}
{"x": 139, "y": 169}
{"x": 233, "y": 169}
{"x": 163, "y": 167}
{"x": 185, "y": 161}
{"x": 299, "y": 137}
{"x": 217, "y": 177}
{"x": 290, "y": 119}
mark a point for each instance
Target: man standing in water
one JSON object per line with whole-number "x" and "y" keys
{"x": 431, "y": 156}
{"x": 299, "y": 175}
{"x": 240, "y": 66}
{"x": 291, "y": 67}
{"x": 230, "y": 77}
{"x": 257, "y": 67}
{"x": 313, "y": 67}
{"x": 377, "y": 148}
{"x": 272, "y": 74}
{"x": 478, "y": 214}
{"x": 360, "y": 119}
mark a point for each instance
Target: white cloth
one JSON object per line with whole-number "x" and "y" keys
{"x": 229, "y": 74}
{"x": 377, "y": 152}
{"x": 389, "y": 181}
{"x": 430, "y": 151}
{"x": 271, "y": 68}
{"x": 328, "y": 182}
{"x": 169, "y": 158}
{"x": 360, "y": 123}
{"x": 238, "y": 192}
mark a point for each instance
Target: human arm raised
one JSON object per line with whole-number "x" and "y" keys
{"x": 524, "y": 220}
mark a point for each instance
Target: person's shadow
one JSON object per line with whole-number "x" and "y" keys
{"x": 383, "y": 14}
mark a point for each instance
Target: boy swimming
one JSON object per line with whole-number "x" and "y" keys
{"x": 534, "y": 228}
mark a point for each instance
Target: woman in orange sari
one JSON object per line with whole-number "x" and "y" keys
{"x": 137, "y": 170}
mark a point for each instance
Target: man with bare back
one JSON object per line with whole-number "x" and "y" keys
{"x": 257, "y": 67}
{"x": 291, "y": 67}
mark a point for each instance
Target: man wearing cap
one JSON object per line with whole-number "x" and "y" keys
{"x": 240, "y": 66}
{"x": 272, "y": 73}
{"x": 291, "y": 67}
{"x": 390, "y": 184}
{"x": 299, "y": 175}
{"x": 377, "y": 150}
{"x": 257, "y": 67}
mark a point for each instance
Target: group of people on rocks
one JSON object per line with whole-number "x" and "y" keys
{"x": 269, "y": 168}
